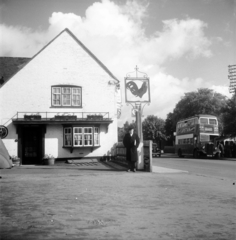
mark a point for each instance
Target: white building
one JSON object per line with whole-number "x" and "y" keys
{"x": 62, "y": 102}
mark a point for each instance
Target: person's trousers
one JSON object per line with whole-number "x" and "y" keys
{"x": 131, "y": 165}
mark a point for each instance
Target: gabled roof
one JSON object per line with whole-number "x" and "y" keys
{"x": 78, "y": 41}
{"x": 9, "y": 66}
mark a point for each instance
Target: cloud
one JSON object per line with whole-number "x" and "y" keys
{"x": 115, "y": 34}
{"x": 121, "y": 28}
{"x": 224, "y": 90}
{"x": 185, "y": 36}
{"x": 20, "y": 41}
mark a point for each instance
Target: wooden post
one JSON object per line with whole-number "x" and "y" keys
{"x": 140, "y": 163}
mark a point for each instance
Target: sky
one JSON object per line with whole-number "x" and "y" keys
{"x": 182, "y": 45}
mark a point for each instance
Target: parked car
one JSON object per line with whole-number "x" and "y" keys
{"x": 155, "y": 150}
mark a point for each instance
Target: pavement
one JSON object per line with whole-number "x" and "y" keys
{"x": 91, "y": 200}
{"x": 173, "y": 155}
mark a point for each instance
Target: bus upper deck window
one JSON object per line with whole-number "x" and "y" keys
{"x": 212, "y": 121}
{"x": 204, "y": 120}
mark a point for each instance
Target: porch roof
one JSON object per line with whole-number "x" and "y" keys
{"x": 63, "y": 122}
{"x": 65, "y": 118}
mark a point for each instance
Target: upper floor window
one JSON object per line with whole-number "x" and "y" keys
{"x": 204, "y": 120}
{"x": 66, "y": 96}
{"x": 212, "y": 121}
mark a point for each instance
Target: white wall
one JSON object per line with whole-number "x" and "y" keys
{"x": 63, "y": 61}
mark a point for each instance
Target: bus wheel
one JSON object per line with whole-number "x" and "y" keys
{"x": 179, "y": 153}
{"x": 217, "y": 156}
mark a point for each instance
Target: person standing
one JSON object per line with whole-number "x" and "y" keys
{"x": 131, "y": 142}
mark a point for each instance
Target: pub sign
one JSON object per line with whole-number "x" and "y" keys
{"x": 137, "y": 90}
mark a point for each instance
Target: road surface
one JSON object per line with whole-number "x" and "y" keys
{"x": 225, "y": 169}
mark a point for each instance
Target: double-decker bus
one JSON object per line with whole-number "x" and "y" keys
{"x": 197, "y": 135}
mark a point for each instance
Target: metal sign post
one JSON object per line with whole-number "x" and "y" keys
{"x": 137, "y": 92}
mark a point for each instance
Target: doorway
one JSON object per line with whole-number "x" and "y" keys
{"x": 32, "y": 145}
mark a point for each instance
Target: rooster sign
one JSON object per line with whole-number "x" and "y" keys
{"x": 137, "y": 90}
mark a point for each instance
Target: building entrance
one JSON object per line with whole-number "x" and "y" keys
{"x": 32, "y": 147}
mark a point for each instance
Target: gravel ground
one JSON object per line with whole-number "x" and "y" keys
{"x": 97, "y": 202}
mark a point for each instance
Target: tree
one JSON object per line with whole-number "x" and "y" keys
{"x": 229, "y": 118}
{"x": 169, "y": 129}
{"x": 153, "y": 129}
{"x": 202, "y": 101}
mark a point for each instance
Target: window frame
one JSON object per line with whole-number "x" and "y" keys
{"x": 76, "y": 94}
{"x": 215, "y": 121}
{"x": 77, "y": 134}
{"x": 56, "y": 94}
{"x": 90, "y": 136}
{"x": 82, "y": 133}
{"x": 203, "y": 121}
{"x": 63, "y": 95}
{"x": 96, "y": 134}
{"x": 65, "y": 134}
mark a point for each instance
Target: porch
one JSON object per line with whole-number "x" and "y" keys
{"x": 61, "y": 118}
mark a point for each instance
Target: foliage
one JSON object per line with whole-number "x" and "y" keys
{"x": 202, "y": 101}
{"x": 229, "y": 118}
{"x": 153, "y": 128}
{"x": 170, "y": 129}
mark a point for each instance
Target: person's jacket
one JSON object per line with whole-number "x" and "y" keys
{"x": 131, "y": 141}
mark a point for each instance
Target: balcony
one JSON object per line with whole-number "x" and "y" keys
{"x": 62, "y": 118}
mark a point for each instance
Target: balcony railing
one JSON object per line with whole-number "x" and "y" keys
{"x": 61, "y": 116}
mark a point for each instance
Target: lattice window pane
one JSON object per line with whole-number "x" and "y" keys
{"x": 56, "y": 96}
{"x": 67, "y": 137}
{"x": 96, "y": 136}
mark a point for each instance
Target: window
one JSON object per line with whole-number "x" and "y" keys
{"x": 78, "y": 136}
{"x": 67, "y": 137}
{"x": 191, "y": 122}
{"x": 203, "y": 120}
{"x": 96, "y": 136}
{"x": 76, "y": 97}
{"x": 81, "y": 137}
{"x": 185, "y": 141}
{"x": 66, "y": 96}
{"x": 88, "y": 141}
{"x": 212, "y": 121}
{"x": 204, "y": 138}
{"x": 56, "y": 96}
